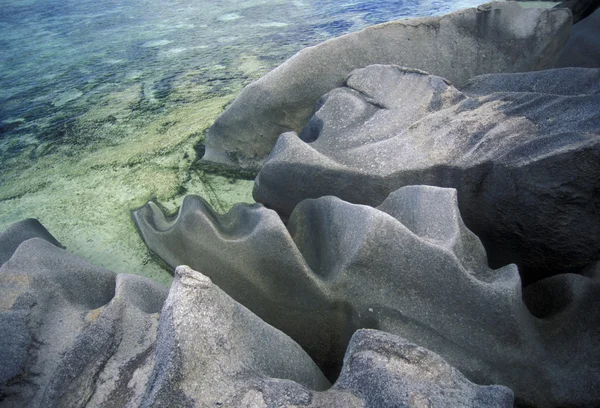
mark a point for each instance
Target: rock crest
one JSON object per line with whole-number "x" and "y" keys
{"x": 495, "y": 37}
{"x": 523, "y": 151}
{"x": 408, "y": 267}
{"x": 83, "y": 336}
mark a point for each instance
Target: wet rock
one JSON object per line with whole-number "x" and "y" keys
{"x": 523, "y": 152}
{"x": 409, "y": 267}
{"x": 496, "y": 37}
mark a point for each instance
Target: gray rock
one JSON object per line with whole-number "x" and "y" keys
{"x": 566, "y": 82}
{"x": 380, "y": 370}
{"x": 212, "y": 351}
{"x": 385, "y": 370}
{"x": 409, "y": 267}
{"x": 75, "y": 335}
{"x": 581, "y": 9}
{"x": 526, "y": 162}
{"x": 582, "y": 49}
{"x": 71, "y": 334}
{"x": 21, "y": 231}
{"x": 496, "y": 37}
{"x": 277, "y": 301}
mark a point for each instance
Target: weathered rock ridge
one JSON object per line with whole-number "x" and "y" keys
{"x": 409, "y": 267}
{"x": 495, "y": 37}
{"x": 75, "y": 335}
{"x": 71, "y": 334}
{"x": 523, "y": 151}
{"x": 410, "y": 229}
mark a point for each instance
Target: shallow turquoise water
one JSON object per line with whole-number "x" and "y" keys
{"x": 102, "y": 103}
{"x": 57, "y": 59}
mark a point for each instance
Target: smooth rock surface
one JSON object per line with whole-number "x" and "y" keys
{"x": 495, "y": 37}
{"x": 75, "y": 335}
{"x": 523, "y": 152}
{"x": 409, "y": 267}
{"x": 236, "y": 268}
{"x": 581, "y": 9}
{"x": 583, "y": 48}
{"x": 21, "y": 231}
{"x": 566, "y": 82}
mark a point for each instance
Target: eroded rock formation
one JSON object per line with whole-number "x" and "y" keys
{"x": 409, "y": 267}
{"x": 374, "y": 247}
{"x": 523, "y": 151}
{"x": 496, "y": 37}
{"x": 71, "y": 334}
{"x": 75, "y": 335}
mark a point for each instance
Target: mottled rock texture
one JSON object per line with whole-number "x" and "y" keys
{"x": 73, "y": 335}
{"x": 523, "y": 151}
{"x": 384, "y": 370}
{"x": 214, "y": 352}
{"x": 409, "y": 267}
{"x": 496, "y": 37}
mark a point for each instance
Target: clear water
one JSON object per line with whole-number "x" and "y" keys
{"x": 58, "y": 58}
{"x": 102, "y": 101}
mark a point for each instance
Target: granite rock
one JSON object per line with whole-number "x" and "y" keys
{"x": 573, "y": 82}
{"x": 522, "y": 150}
{"x": 385, "y": 370}
{"x": 218, "y": 245}
{"x": 492, "y": 38}
{"x": 71, "y": 334}
{"x": 21, "y": 231}
{"x": 75, "y": 335}
{"x": 212, "y": 351}
{"x": 409, "y": 267}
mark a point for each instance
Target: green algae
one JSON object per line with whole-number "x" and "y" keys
{"x": 103, "y": 109}
{"x": 84, "y": 191}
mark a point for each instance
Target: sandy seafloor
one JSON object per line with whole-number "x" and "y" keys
{"x": 102, "y": 104}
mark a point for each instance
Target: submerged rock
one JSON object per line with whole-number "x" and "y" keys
{"x": 75, "y": 335}
{"x": 409, "y": 267}
{"x": 495, "y": 37}
{"x": 523, "y": 151}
